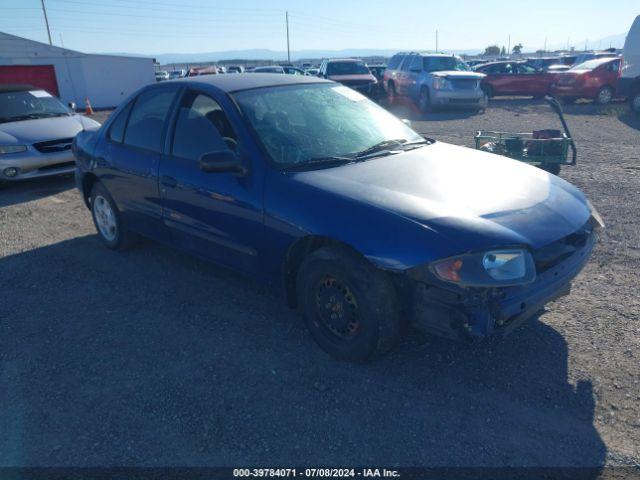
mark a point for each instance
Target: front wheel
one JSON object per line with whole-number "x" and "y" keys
{"x": 604, "y": 96}
{"x": 350, "y": 307}
{"x": 391, "y": 93}
{"x": 107, "y": 220}
{"x": 424, "y": 101}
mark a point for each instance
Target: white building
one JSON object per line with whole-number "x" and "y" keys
{"x": 105, "y": 80}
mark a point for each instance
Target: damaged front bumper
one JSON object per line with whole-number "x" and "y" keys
{"x": 454, "y": 312}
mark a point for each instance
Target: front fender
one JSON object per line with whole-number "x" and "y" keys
{"x": 388, "y": 239}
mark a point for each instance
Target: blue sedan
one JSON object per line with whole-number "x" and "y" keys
{"x": 366, "y": 225}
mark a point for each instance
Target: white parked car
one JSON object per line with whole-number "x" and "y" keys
{"x": 629, "y": 82}
{"x": 36, "y": 132}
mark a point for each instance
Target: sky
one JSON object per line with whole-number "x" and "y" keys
{"x": 191, "y": 26}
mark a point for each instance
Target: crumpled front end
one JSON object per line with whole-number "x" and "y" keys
{"x": 450, "y": 311}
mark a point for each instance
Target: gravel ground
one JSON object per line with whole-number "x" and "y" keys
{"x": 153, "y": 358}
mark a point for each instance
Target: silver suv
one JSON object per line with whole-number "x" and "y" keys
{"x": 433, "y": 80}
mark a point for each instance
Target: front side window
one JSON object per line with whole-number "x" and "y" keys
{"x": 441, "y": 64}
{"x": 525, "y": 69}
{"x": 29, "y": 104}
{"x": 300, "y": 123}
{"x": 201, "y": 127}
{"x": 416, "y": 64}
{"x": 146, "y": 122}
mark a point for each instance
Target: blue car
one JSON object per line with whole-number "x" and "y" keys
{"x": 366, "y": 225}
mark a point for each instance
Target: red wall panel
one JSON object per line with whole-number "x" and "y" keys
{"x": 43, "y": 76}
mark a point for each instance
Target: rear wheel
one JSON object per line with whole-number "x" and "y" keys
{"x": 350, "y": 307}
{"x": 108, "y": 221}
{"x": 424, "y": 101}
{"x": 604, "y": 96}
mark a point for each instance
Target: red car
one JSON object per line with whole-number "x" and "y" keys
{"x": 594, "y": 79}
{"x": 514, "y": 78}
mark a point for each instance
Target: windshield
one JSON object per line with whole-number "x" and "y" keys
{"x": 440, "y": 64}
{"x": 347, "y": 68}
{"x": 30, "y": 104}
{"x": 301, "y": 123}
{"x": 590, "y": 64}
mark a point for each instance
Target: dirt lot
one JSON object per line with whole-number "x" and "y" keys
{"x": 151, "y": 357}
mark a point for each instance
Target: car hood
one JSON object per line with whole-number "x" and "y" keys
{"x": 458, "y": 74}
{"x": 473, "y": 198}
{"x": 42, "y": 129}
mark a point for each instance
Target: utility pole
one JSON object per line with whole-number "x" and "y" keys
{"x": 288, "y": 51}
{"x": 436, "y": 40}
{"x": 46, "y": 20}
{"x": 545, "y": 43}
{"x": 568, "y": 41}
{"x": 509, "y": 46}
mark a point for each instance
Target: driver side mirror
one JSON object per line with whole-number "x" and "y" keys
{"x": 222, "y": 161}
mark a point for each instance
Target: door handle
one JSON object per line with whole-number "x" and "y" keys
{"x": 168, "y": 181}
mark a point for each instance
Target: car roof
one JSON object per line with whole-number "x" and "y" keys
{"x": 17, "y": 87}
{"x": 248, "y": 81}
{"x": 329, "y": 60}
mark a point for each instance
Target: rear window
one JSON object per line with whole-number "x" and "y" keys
{"x": 346, "y": 68}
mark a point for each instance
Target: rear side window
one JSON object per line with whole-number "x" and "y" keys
{"x": 406, "y": 62}
{"x": 116, "y": 132}
{"x": 394, "y": 63}
{"x": 144, "y": 129}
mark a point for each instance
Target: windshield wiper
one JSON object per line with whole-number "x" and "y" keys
{"x": 319, "y": 162}
{"x": 381, "y": 147}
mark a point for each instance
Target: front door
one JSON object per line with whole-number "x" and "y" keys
{"x": 215, "y": 215}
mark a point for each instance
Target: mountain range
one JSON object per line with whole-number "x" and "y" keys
{"x": 279, "y": 55}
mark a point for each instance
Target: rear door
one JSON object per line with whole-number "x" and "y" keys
{"x": 214, "y": 215}
{"x": 133, "y": 148}
{"x": 403, "y": 78}
{"x": 531, "y": 81}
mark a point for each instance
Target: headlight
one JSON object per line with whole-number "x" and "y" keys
{"x": 595, "y": 215}
{"x": 494, "y": 268}
{"x": 12, "y": 149}
{"x": 440, "y": 83}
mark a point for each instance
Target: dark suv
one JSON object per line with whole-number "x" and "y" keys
{"x": 349, "y": 72}
{"x": 432, "y": 80}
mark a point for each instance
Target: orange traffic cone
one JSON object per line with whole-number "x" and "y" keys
{"x": 88, "y": 110}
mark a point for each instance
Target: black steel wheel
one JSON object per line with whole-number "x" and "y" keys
{"x": 350, "y": 307}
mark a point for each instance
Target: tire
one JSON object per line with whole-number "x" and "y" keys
{"x": 350, "y": 307}
{"x": 424, "y": 101}
{"x": 635, "y": 102}
{"x": 108, "y": 221}
{"x": 391, "y": 93}
{"x": 604, "y": 96}
{"x": 488, "y": 90}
